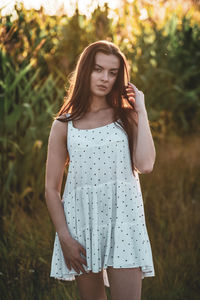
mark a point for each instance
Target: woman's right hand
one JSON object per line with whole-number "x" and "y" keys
{"x": 71, "y": 251}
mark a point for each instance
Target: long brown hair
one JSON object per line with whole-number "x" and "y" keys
{"x": 77, "y": 100}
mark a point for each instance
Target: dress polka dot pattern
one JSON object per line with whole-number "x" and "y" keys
{"x": 103, "y": 204}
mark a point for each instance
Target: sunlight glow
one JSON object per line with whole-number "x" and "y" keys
{"x": 54, "y": 7}
{"x": 143, "y": 14}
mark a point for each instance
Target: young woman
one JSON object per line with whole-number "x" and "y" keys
{"x": 102, "y": 132}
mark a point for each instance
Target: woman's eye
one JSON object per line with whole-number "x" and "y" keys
{"x": 99, "y": 70}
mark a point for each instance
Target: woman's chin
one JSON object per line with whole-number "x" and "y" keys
{"x": 99, "y": 94}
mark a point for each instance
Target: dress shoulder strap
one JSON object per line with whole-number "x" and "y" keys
{"x": 69, "y": 122}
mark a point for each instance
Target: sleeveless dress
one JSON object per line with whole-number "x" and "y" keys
{"x": 103, "y": 204}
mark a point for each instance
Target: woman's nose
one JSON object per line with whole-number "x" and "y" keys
{"x": 105, "y": 76}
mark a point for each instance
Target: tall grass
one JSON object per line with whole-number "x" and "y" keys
{"x": 171, "y": 200}
{"x": 26, "y": 106}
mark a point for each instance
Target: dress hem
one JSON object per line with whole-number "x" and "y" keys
{"x": 71, "y": 276}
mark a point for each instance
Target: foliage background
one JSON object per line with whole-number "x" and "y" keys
{"x": 37, "y": 53}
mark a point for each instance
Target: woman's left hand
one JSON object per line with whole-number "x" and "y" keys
{"x": 135, "y": 97}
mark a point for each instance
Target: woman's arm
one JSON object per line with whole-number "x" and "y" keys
{"x": 56, "y": 158}
{"x": 144, "y": 152}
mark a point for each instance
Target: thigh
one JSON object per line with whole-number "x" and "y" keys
{"x": 125, "y": 283}
{"x": 91, "y": 286}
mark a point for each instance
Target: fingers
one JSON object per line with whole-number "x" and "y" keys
{"x": 68, "y": 265}
{"x": 130, "y": 89}
{"x": 131, "y": 95}
{"x": 81, "y": 266}
{"x": 77, "y": 266}
{"x": 132, "y": 86}
{"x": 82, "y": 249}
{"x": 83, "y": 261}
{"x": 130, "y": 92}
{"x": 77, "y": 263}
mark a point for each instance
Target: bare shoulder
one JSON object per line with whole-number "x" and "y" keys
{"x": 58, "y": 123}
{"x": 59, "y": 128}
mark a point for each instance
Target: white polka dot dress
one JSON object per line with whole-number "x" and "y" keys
{"x": 103, "y": 204}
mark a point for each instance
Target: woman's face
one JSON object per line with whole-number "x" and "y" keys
{"x": 104, "y": 74}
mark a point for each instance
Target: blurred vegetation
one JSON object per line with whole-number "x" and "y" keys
{"x": 37, "y": 52}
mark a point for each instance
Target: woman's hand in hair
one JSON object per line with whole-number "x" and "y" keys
{"x": 135, "y": 97}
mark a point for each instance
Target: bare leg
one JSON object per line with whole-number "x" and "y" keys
{"x": 125, "y": 283}
{"x": 91, "y": 286}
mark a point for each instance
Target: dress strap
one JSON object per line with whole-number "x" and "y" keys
{"x": 69, "y": 122}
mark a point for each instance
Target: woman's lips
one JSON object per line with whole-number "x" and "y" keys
{"x": 102, "y": 87}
